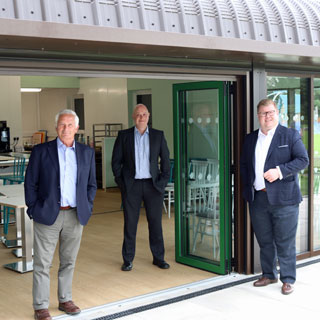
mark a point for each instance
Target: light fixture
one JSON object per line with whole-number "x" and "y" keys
{"x": 30, "y": 89}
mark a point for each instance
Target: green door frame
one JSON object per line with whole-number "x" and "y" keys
{"x": 182, "y": 256}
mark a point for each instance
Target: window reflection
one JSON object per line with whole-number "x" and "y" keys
{"x": 292, "y": 98}
{"x": 316, "y": 157}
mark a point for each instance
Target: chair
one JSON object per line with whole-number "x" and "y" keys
{"x": 169, "y": 190}
{"x": 196, "y": 181}
{"x": 6, "y": 211}
{"x": 18, "y": 172}
{"x": 169, "y": 197}
{"x": 208, "y": 222}
{"x": 203, "y": 197}
{"x": 16, "y": 177}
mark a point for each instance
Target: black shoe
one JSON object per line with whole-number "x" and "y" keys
{"x": 161, "y": 264}
{"x": 127, "y": 266}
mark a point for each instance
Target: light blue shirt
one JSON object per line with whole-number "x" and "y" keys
{"x": 68, "y": 174}
{"x": 142, "y": 154}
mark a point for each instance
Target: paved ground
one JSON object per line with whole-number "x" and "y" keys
{"x": 226, "y": 297}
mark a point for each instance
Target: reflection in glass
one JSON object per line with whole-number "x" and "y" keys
{"x": 292, "y": 99}
{"x": 316, "y": 158}
{"x": 201, "y": 194}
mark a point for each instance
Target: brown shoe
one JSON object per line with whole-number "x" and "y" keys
{"x": 287, "y": 288}
{"x": 42, "y": 314}
{"x": 69, "y": 307}
{"x": 264, "y": 281}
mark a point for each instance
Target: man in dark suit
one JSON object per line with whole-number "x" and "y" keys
{"x": 60, "y": 187}
{"x": 271, "y": 160}
{"x": 136, "y": 170}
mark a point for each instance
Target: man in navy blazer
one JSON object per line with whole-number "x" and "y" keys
{"x": 135, "y": 165}
{"x": 271, "y": 159}
{"x": 60, "y": 187}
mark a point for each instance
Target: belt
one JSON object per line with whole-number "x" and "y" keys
{"x": 66, "y": 208}
{"x": 264, "y": 190}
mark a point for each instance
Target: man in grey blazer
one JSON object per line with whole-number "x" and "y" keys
{"x": 135, "y": 165}
{"x": 60, "y": 186}
{"x": 271, "y": 160}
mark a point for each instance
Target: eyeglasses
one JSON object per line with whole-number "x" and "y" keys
{"x": 268, "y": 113}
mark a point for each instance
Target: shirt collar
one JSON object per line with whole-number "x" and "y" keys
{"x": 61, "y": 144}
{"x": 137, "y": 131}
{"x": 270, "y": 132}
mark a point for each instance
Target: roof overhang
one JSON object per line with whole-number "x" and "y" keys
{"x": 39, "y": 39}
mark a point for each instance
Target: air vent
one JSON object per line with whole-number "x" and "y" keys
{"x": 130, "y": 3}
{"x": 152, "y": 5}
{"x": 171, "y": 6}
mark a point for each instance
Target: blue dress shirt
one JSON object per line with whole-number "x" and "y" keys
{"x": 68, "y": 174}
{"x": 142, "y": 154}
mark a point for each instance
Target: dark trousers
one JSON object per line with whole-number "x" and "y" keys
{"x": 275, "y": 228}
{"x": 142, "y": 190}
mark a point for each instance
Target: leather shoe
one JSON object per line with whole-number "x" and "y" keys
{"x": 127, "y": 266}
{"x": 69, "y": 307}
{"x": 287, "y": 288}
{"x": 161, "y": 264}
{"x": 264, "y": 281}
{"x": 42, "y": 314}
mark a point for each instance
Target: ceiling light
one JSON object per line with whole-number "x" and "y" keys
{"x": 30, "y": 89}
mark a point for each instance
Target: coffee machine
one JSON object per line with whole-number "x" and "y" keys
{"x": 4, "y": 137}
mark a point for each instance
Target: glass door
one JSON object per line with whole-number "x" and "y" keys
{"x": 202, "y": 176}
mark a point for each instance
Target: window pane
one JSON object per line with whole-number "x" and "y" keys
{"x": 316, "y": 191}
{"x": 292, "y": 99}
{"x": 202, "y": 218}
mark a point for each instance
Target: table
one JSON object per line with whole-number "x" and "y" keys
{"x": 14, "y": 197}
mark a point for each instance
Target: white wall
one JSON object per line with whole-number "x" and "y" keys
{"x": 105, "y": 101}
{"x": 30, "y": 114}
{"x": 52, "y": 101}
{"x": 39, "y": 110}
{"x": 10, "y": 105}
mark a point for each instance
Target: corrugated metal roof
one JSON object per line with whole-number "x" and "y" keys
{"x": 282, "y": 21}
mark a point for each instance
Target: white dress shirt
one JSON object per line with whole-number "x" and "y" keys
{"x": 262, "y": 148}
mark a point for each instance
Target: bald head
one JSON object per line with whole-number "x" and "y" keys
{"x": 140, "y": 116}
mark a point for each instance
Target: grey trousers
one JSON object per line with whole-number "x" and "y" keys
{"x": 68, "y": 231}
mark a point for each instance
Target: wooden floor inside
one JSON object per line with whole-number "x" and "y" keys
{"x": 98, "y": 279}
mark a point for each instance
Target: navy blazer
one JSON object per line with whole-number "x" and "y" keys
{"x": 123, "y": 159}
{"x": 42, "y": 183}
{"x": 286, "y": 151}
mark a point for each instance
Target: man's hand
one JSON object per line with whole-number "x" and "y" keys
{"x": 271, "y": 175}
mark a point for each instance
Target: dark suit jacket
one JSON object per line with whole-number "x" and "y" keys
{"x": 286, "y": 151}
{"x": 42, "y": 183}
{"x": 123, "y": 159}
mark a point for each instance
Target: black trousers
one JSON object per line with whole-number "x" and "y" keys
{"x": 142, "y": 190}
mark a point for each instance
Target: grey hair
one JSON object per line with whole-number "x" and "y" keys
{"x": 67, "y": 111}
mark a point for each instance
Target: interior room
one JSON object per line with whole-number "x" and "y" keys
{"x": 106, "y": 103}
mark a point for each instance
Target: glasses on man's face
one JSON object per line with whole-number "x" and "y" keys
{"x": 267, "y": 113}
